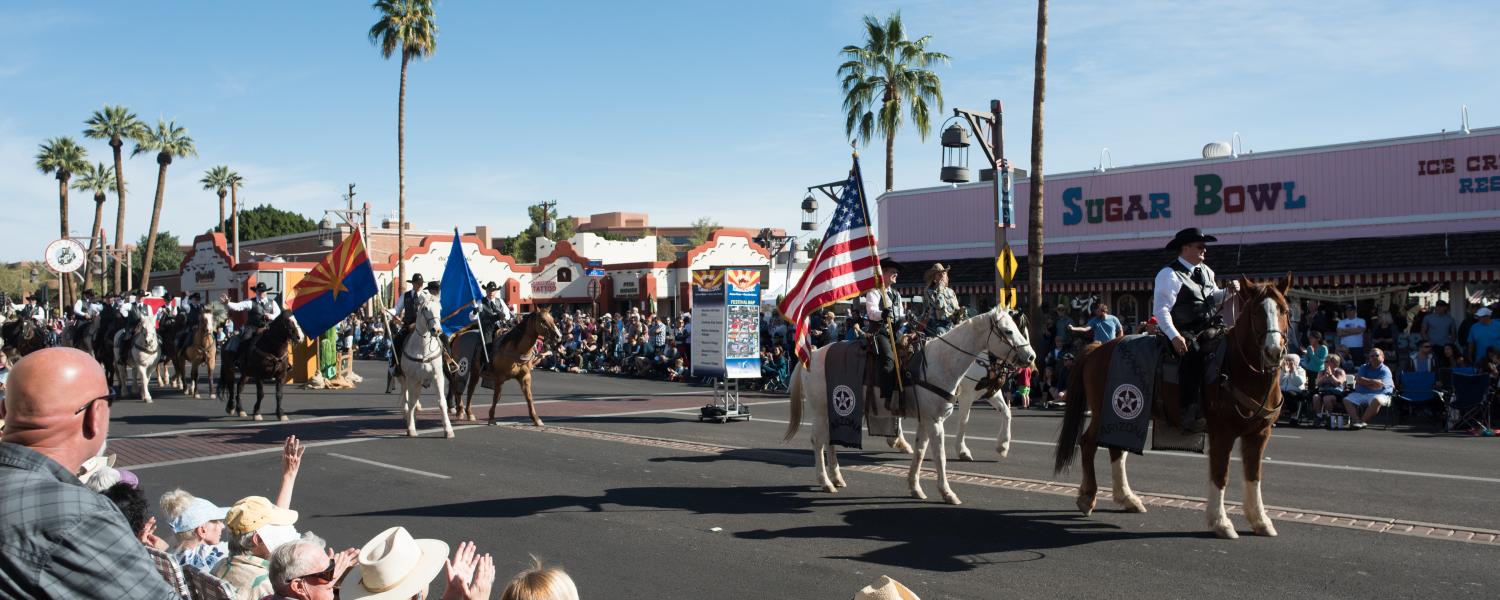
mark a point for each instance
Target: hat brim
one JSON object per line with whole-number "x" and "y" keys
{"x": 434, "y": 552}
{"x": 1178, "y": 243}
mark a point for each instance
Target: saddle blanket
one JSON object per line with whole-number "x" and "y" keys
{"x": 844, "y": 379}
{"x": 1125, "y": 415}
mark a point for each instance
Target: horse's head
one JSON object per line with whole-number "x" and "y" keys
{"x": 1007, "y": 339}
{"x": 206, "y": 321}
{"x": 427, "y": 315}
{"x": 544, "y": 326}
{"x": 1263, "y": 312}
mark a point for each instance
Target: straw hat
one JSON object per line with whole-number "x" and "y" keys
{"x": 394, "y": 565}
{"x": 885, "y": 588}
{"x": 933, "y": 271}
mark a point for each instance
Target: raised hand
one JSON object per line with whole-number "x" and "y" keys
{"x": 149, "y": 538}
{"x": 459, "y": 571}
{"x": 341, "y": 563}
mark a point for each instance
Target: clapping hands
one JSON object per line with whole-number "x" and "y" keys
{"x": 470, "y": 575}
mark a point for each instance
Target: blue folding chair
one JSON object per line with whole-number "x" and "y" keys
{"x": 1417, "y": 388}
{"x": 1470, "y": 400}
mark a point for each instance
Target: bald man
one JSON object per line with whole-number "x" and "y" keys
{"x": 58, "y": 539}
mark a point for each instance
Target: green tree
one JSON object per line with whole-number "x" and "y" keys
{"x": 216, "y": 180}
{"x": 703, "y": 228}
{"x": 522, "y": 247}
{"x": 665, "y": 250}
{"x": 98, "y": 180}
{"x": 168, "y": 141}
{"x": 266, "y": 221}
{"x": 116, "y": 124}
{"x": 407, "y": 26}
{"x": 1034, "y": 254}
{"x": 812, "y": 246}
{"x": 884, "y": 77}
{"x": 168, "y": 256}
{"x": 61, "y": 157}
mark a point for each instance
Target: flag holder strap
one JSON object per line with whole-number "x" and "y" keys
{"x": 726, "y": 404}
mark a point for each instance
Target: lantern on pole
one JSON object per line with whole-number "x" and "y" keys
{"x": 955, "y": 154}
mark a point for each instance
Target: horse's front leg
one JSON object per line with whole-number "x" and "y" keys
{"x": 441, "y": 383}
{"x": 1002, "y": 439}
{"x": 530, "y": 405}
{"x": 1123, "y": 495}
{"x": 260, "y": 396}
{"x": 965, "y": 404}
{"x": 411, "y": 393}
{"x": 280, "y": 382}
{"x": 1219, "y": 447}
{"x": 144, "y": 378}
{"x": 1252, "y": 452}
{"x": 914, "y": 475}
{"x": 935, "y": 434}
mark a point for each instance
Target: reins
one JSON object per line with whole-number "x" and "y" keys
{"x": 1258, "y": 408}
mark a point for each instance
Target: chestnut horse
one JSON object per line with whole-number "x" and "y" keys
{"x": 1242, "y": 408}
{"x": 511, "y": 357}
{"x": 201, "y": 350}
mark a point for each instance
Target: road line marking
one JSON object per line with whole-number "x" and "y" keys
{"x": 235, "y": 426}
{"x": 1268, "y": 460}
{"x": 277, "y": 449}
{"x": 388, "y": 466}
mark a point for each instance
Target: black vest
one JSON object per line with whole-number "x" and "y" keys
{"x": 409, "y": 308}
{"x": 256, "y": 317}
{"x": 1194, "y": 306}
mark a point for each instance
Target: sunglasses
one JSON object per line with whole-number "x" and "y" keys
{"x": 319, "y": 578}
{"x": 107, "y": 398}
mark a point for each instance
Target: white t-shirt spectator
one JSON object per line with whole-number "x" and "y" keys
{"x": 1352, "y": 341}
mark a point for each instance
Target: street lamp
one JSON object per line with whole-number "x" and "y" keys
{"x": 955, "y": 169}
{"x": 325, "y": 229}
{"x": 809, "y": 212}
{"x": 955, "y": 154}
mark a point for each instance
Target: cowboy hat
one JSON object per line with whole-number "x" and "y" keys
{"x": 491, "y": 286}
{"x": 394, "y": 565}
{"x": 434, "y": 286}
{"x": 261, "y": 287}
{"x": 1191, "y": 235}
{"x": 416, "y": 278}
{"x": 885, "y": 588}
{"x": 887, "y": 264}
{"x": 933, "y": 271}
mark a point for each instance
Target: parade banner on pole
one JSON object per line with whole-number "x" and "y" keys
{"x": 726, "y": 323}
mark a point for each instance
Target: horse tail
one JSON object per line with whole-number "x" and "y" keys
{"x": 795, "y": 392}
{"x": 1077, "y": 403}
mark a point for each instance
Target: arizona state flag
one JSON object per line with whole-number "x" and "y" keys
{"x": 335, "y": 288}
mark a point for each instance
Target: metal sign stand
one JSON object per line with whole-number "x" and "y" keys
{"x": 726, "y": 405}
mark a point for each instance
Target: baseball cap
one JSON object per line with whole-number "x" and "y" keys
{"x": 252, "y": 513}
{"x": 1483, "y": 312}
{"x": 198, "y": 512}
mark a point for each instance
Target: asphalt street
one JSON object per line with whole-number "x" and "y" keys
{"x": 644, "y": 515}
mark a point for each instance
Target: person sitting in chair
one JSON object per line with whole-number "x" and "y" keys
{"x": 1372, "y": 389}
{"x": 259, "y": 311}
{"x": 883, "y": 311}
{"x": 1185, "y": 303}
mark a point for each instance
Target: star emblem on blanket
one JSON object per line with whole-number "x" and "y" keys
{"x": 843, "y": 400}
{"x": 1127, "y": 401}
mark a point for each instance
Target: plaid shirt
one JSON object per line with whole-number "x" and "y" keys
{"x": 58, "y": 539}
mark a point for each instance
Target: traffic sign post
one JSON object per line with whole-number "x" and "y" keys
{"x": 1006, "y": 265}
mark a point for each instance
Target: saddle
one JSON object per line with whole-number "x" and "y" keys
{"x": 912, "y": 361}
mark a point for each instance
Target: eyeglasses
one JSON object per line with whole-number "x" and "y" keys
{"x": 319, "y": 578}
{"x": 108, "y": 398}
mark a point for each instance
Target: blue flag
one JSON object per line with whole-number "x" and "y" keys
{"x": 335, "y": 288}
{"x": 460, "y": 289}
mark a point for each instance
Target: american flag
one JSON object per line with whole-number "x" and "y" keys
{"x": 844, "y": 267}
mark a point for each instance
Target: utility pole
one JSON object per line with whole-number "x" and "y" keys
{"x": 350, "y": 197}
{"x": 548, "y": 207}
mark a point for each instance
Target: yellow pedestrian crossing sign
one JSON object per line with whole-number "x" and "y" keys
{"x": 1008, "y": 297}
{"x": 1006, "y": 264}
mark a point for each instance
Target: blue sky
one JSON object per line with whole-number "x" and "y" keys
{"x": 687, "y": 109}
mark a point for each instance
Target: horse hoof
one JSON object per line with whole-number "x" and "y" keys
{"x": 284, "y": 418}
{"x": 952, "y": 498}
{"x": 1086, "y": 506}
{"x": 411, "y": 433}
{"x": 492, "y": 423}
{"x": 1225, "y": 531}
{"x": 1004, "y": 452}
{"x": 1265, "y": 529}
{"x": 448, "y": 433}
{"x": 965, "y": 456}
{"x": 828, "y": 487}
{"x": 919, "y": 494}
{"x": 840, "y": 482}
{"x": 1131, "y": 504}
{"x": 536, "y": 422}
{"x": 258, "y": 417}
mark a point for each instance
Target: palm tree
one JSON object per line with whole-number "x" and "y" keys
{"x": 168, "y": 141}
{"x": 888, "y": 74}
{"x": 99, "y": 180}
{"x": 216, "y": 180}
{"x": 1034, "y": 228}
{"x": 61, "y": 157}
{"x": 407, "y": 26}
{"x": 116, "y": 124}
{"x": 235, "y": 181}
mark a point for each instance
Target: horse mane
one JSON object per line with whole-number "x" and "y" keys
{"x": 513, "y": 335}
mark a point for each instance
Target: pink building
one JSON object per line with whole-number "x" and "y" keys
{"x": 1414, "y": 211}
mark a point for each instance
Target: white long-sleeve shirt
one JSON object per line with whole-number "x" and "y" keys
{"x": 84, "y": 309}
{"x": 1168, "y": 284}
{"x": 874, "y": 312}
{"x": 272, "y": 309}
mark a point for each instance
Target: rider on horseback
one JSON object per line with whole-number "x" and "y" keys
{"x": 493, "y": 311}
{"x": 85, "y": 309}
{"x": 883, "y": 311}
{"x": 940, "y": 308}
{"x": 259, "y": 312}
{"x": 406, "y": 311}
{"x": 1186, "y": 305}
{"x": 190, "y": 307}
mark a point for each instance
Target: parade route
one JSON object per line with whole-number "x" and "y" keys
{"x": 628, "y": 490}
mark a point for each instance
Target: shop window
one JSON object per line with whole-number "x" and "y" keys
{"x": 564, "y": 275}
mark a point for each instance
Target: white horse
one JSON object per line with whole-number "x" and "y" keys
{"x": 967, "y": 395}
{"x": 142, "y": 351}
{"x": 422, "y": 365}
{"x": 949, "y": 356}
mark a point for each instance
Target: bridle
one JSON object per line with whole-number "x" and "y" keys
{"x": 1258, "y": 408}
{"x": 425, "y": 311}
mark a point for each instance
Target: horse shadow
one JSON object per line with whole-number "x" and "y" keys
{"x": 797, "y": 458}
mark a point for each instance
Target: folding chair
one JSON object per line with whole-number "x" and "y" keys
{"x": 1417, "y": 387}
{"x": 1470, "y": 400}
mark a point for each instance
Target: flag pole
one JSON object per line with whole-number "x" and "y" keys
{"x": 864, "y": 207}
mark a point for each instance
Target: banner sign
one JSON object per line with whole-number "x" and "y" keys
{"x": 726, "y": 323}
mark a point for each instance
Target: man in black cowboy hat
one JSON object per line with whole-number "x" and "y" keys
{"x": 884, "y": 312}
{"x": 492, "y": 309}
{"x": 1186, "y": 304}
{"x": 260, "y": 310}
{"x": 85, "y": 309}
{"x": 190, "y": 307}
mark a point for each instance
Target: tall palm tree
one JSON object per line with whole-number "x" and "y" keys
{"x": 61, "y": 157}
{"x": 883, "y": 78}
{"x": 116, "y": 124}
{"x": 407, "y": 26}
{"x": 235, "y": 181}
{"x": 99, "y": 180}
{"x": 1034, "y": 228}
{"x": 216, "y": 180}
{"x": 168, "y": 141}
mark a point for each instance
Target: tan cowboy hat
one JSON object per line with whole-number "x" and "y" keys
{"x": 394, "y": 565}
{"x": 885, "y": 588}
{"x": 933, "y": 271}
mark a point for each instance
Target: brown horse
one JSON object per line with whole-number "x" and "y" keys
{"x": 511, "y": 357}
{"x": 1242, "y": 408}
{"x": 201, "y": 350}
